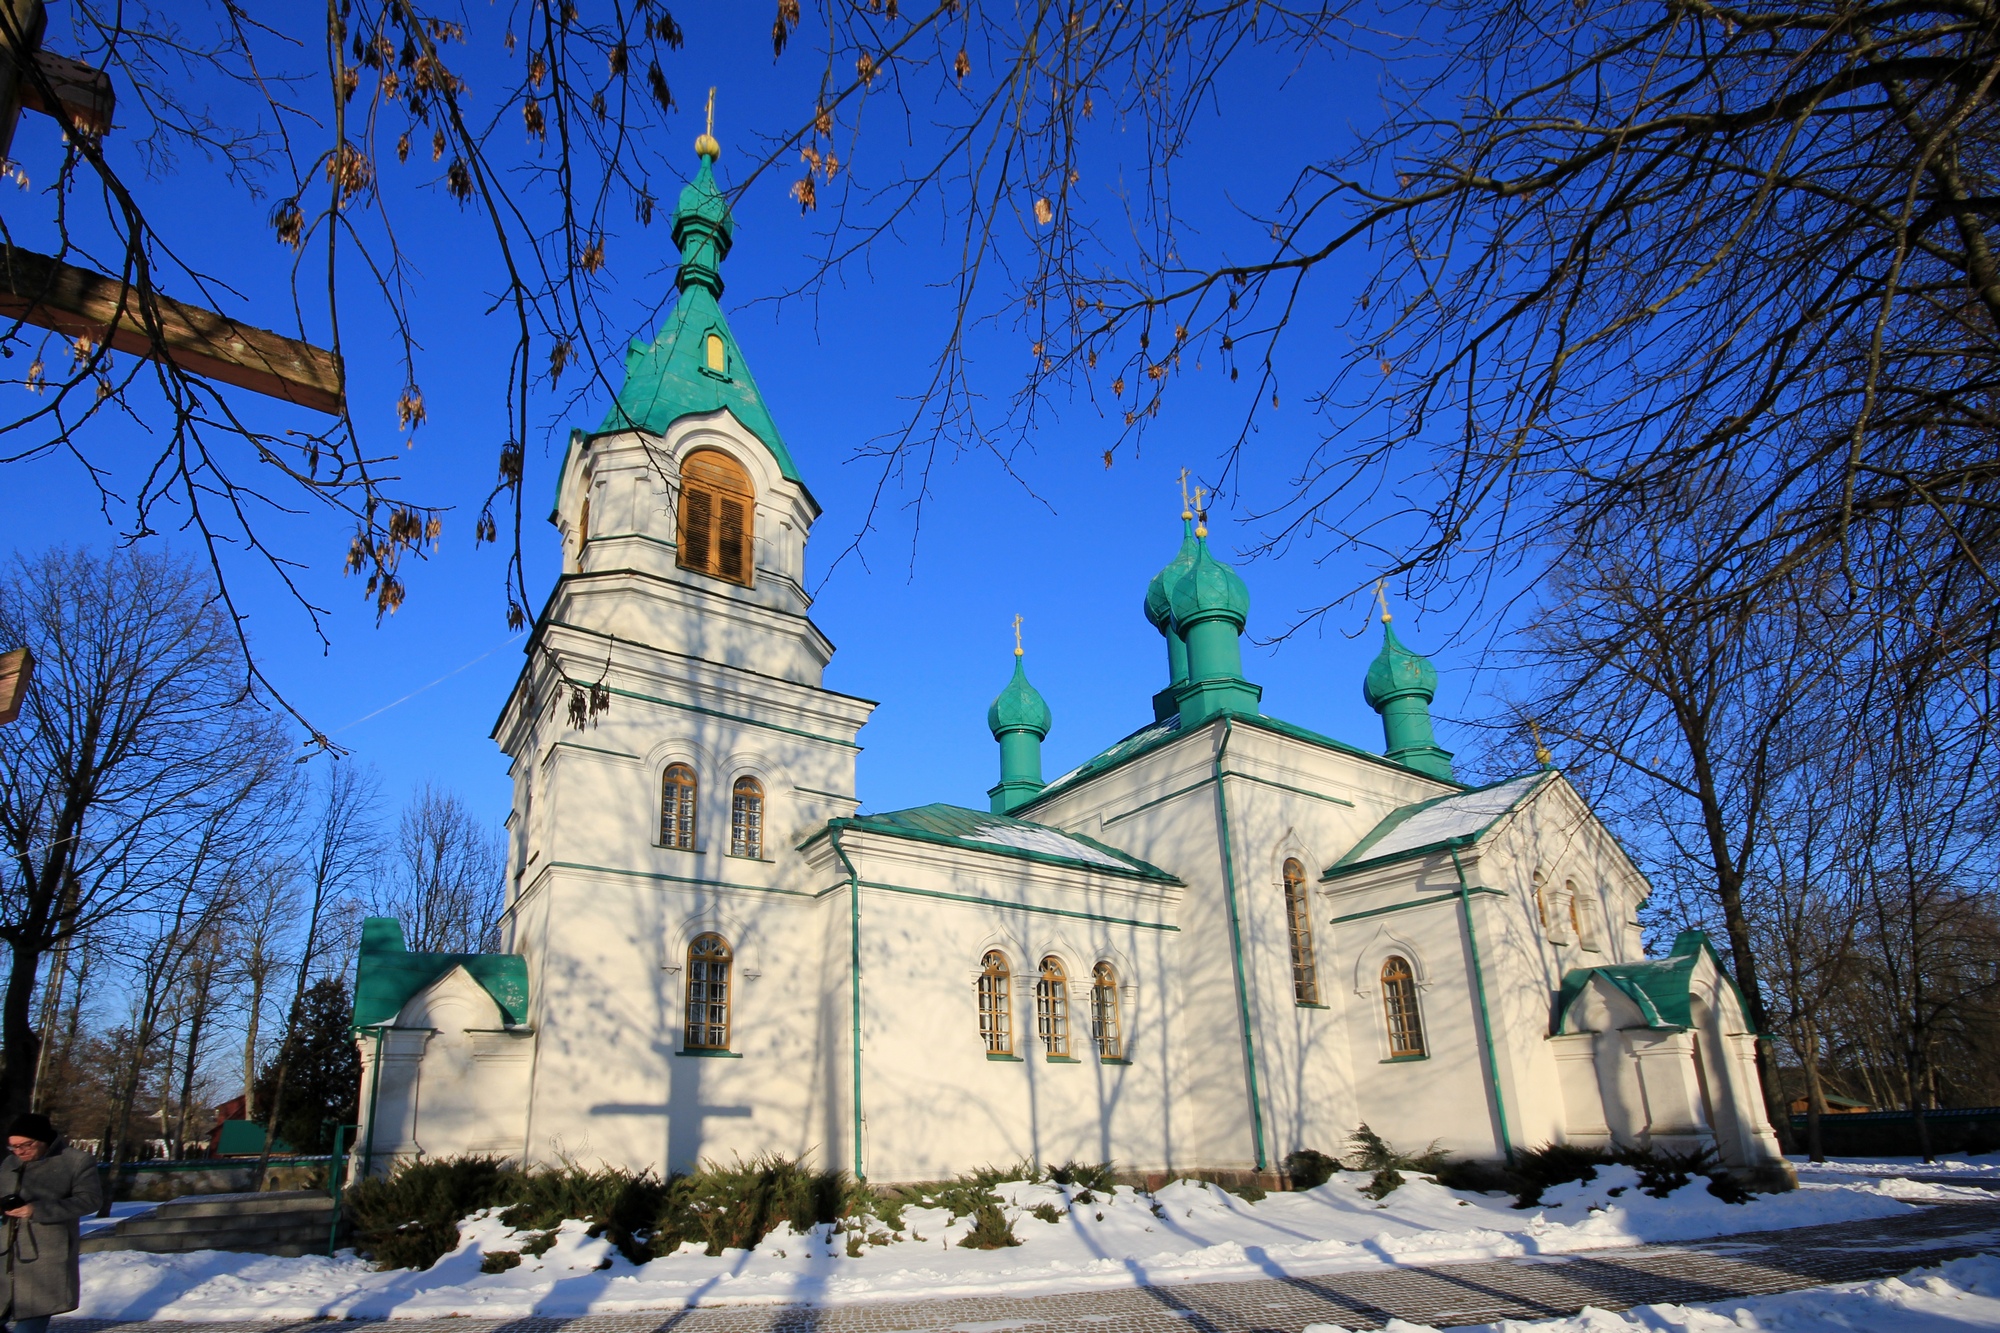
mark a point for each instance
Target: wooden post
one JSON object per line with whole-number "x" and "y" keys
{"x": 17, "y": 673}
{"x": 50, "y": 294}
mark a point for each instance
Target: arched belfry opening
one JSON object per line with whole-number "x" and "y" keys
{"x": 716, "y": 514}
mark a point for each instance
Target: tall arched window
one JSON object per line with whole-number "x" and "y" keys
{"x": 746, "y": 818}
{"x": 1052, "y": 1007}
{"x": 1298, "y": 913}
{"x": 1399, "y": 1006}
{"x": 718, "y": 356}
{"x": 708, "y": 994}
{"x": 1104, "y": 1026}
{"x": 715, "y": 516}
{"x": 996, "y": 1004}
{"x": 1541, "y": 902}
{"x": 677, "y": 793}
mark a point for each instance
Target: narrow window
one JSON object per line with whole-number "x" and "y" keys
{"x": 1052, "y": 1007}
{"x": 1104, "y": 1029}
{"x": 718, "y": 357}
{"x": 996, "y": 1004}
{"x": 583, "y": 528}
{"x": 1298, "y": 911}
{"x": 1399, "y": 1005}
{"x": 1581, "y": 918}
{"x": 708, "y": 994}
{"x": 716, "y": 516}
{"x": 746, "y": 818}
{"x": 677, "y": 792}
{"x": 1541, "y": 904}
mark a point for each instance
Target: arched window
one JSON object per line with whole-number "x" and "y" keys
{"x": 708, "y": 994}
{"x": 996, "y": 1004}
{"x": 715, "y": 516}
{"x": 1052, "y": 1007}
{"x": 583, "y": 528}
{"x": 1399, "y": 1006}
{"x": 746, "y": 818}
{"x": 1104, "y": 1027}
{"x": 1541, "y": 903}
{"x": 718, "y": 355}
{"x": 677, "y": 793}
{"x": 1298, "y": 912}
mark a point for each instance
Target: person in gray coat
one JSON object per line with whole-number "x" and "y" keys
{"x": 56, "y": 1186}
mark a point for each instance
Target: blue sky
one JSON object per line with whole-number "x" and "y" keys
{"x": 921, "y": 618}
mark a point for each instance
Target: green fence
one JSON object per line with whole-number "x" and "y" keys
{"x": 1974, "y": 1129}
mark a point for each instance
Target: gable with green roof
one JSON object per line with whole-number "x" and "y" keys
{"x": 387, "y": 975}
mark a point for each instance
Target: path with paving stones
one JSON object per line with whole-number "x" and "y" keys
{"x": 1469, "y": 1293}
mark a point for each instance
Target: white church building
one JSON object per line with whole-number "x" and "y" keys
{"x": 1223, "y": 939}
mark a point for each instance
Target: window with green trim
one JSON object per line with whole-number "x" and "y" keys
{"x": 1399, "y": 1006}
{"x": 1052, "y": 1007}
{"x": 1105, "y": 1029}
{"x": 996, "y": 1003}
{"x": 708, "y": 993}
{"x": 1298, "y": 914}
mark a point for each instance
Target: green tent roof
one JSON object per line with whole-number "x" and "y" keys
{"x": 387, "y": 975}
{"x": 981, "y": 831}
{"x": 1659, "y": 986}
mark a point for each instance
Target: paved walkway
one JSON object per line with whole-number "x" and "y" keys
{"x": 1468, "y": 1293}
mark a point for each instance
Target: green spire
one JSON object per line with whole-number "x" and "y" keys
{"x": 694, "y": 365}
{"x": 1019, "y": 719}
{"x": 1400, "y": 686}
{"x": 1210, "y": 605}
{"x": 1160, "y": 613}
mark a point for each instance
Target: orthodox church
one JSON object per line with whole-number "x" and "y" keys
{"x": 1224, "y": 938}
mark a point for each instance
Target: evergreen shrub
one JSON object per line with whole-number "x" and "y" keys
{"x": 1308, "y": 1169}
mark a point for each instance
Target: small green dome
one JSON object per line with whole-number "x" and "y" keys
{"x": 1210, "y": 588}
{"x": 1020, "y": 707}
{"x": 1160, "y": 592}
{"x": 1397, "y": 672}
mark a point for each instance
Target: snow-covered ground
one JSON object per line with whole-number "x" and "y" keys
{"x": 1959, "y": 1296}
{"x": 1984, "y": 1169}
{"x": 1187, "y": 1232}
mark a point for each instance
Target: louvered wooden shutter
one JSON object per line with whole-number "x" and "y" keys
{"x": 695, "y": 536}
{"x": 730, "y": 555}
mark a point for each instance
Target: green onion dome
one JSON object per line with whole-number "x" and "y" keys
{"x": 1397, "y": 672}
{"x": 1208, "y": 590}
{"x": 1160, "y": 592}
{"x": 1020, "y": 707}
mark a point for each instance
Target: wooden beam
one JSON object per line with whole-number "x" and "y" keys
{"x": 50, "y": 294}
{"x": 17, "y": 673}
{"x": 84, "y": 100}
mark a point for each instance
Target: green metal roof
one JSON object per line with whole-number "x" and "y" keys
{"x": 386, "y": 975}
{"x": 1443, "y": 821}
{"x": 1019, "y": 707}
{"x": 1659, "y": 986}
{"x": 981, "y": 831}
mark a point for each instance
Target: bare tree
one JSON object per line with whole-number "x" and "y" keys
{"x": 137, "y": 732}
{"x": 445, "y": 879}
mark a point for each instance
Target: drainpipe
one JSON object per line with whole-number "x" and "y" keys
{"x": 854, "y": 974}
{"x": 1485, "y": 1019}
{"x": 374, "y": 1101}
{"x": 1236, "y": 948}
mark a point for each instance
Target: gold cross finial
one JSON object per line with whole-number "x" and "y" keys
{"x": 1200, "y": 528}
{"x": 1542, "y": 755}
{"x": 1382, "y": 599}
{"x": 1017, "y": 634}
{"x": 706, "y": 145}
{"x": 1187, "y": 510}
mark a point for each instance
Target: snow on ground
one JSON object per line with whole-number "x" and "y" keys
{"x": 1187, "y": 1232}
{"x": 1985, "y": 1169}
{"x": 119, "y": 1212}
{"x": 1961, "y": 1295}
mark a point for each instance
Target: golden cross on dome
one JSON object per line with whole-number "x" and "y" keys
{"x": 1200, "y": 528}
{"x": 706, "y": 144}
{"x": 711, "y": 113}
{"x": 1017, "y": 634}
{"x": 1382, "y": 599}
{"x": 1542, "y": 755}
{"x": 1187, "y": 510}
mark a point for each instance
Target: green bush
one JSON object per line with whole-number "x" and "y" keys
{"x": 410, "y": 1220}
{"x": 990, "y": 1230}
{"x": 1371, "y": 1152}
{"x": 1308, "y": 1169}
{"x": 1091, "y": 1178}
{"x": 1660, "y": 1172}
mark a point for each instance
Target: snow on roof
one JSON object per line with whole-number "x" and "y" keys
{"x": 1464, "y": 815}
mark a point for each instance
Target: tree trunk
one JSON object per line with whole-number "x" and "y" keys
{"x": 22, "y": 1044}
{"x": 1815, "y": 1092}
